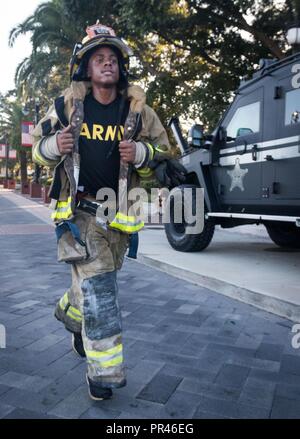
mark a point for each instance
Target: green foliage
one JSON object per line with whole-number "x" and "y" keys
{"x": 190, "y": 54}
{"x": 11, "y": 117}
{"x": 200, "y": 53}
{"x": 10, "y": 120}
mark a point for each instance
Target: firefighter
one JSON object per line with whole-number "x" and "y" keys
{"x": 99, "y": 134}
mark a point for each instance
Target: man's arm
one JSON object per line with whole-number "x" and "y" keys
{"x": 45, "y": 149}
{"x": 51, "y": 139}
{"x": 154, "y": 141}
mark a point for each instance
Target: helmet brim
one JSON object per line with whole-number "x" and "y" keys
{"x": 105, "y": 41}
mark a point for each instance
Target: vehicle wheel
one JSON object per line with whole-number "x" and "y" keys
{"x": 284, "y": 234}
{"x": 176, "y": 232}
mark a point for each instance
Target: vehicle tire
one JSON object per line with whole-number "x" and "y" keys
{"x": 284, "y": 234}
{"x": 176, "y": 232}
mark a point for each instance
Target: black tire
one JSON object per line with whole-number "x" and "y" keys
{"x": 284, "y": 234}
{"x": 176, "y": 232}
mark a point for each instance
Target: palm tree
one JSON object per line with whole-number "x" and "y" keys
{"x": 52, "y": 42}
{"x": 10, "y": 127}
{"x": 37, "y": 74}
{"x": 55, "y": 27}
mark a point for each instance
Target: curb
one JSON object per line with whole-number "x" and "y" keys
{"x": 273, "y": 305}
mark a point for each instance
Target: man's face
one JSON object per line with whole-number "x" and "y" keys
{"x": 103, "y": 67}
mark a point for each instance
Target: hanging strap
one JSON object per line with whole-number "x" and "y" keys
{"x": 121, "y": 110}
{"x": 66, "y": 226}
{"x": 59, "y": 104}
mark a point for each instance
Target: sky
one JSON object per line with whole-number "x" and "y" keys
{"x": 13, "y": 13}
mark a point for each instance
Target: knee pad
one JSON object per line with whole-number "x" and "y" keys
{"x": 102, "y": 317}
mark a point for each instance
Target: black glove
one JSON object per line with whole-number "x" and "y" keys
{"x": 169, "y": 172}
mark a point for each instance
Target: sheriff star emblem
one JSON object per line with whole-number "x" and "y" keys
{"x": 237, "y": 175}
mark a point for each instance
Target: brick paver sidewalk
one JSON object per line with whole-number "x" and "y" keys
{"x": 189, "y": 352}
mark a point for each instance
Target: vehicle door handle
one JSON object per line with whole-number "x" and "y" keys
{"x": 245, "y": 147}
{"x": 254, "y": 153}
{"x": 242, "y": 151}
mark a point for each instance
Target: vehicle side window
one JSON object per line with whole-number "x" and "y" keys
{"x": 292, "y": 107}
{"x": 245, "y": 121}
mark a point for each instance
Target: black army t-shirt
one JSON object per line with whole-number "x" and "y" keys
{"x": 99, "y": 131}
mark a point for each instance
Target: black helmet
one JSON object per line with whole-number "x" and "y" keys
{"x": 99, "y": 35}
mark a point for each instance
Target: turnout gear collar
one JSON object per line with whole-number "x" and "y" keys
{"x": 97, "y": 35}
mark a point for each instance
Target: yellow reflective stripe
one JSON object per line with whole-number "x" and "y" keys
{"x": 108, "y": 363}
{"x": 145, "y": 172}
{"x": 65, "y": 298}
{"x": 127, "y": 228}
{"x": 62, "y": 215}
{"x": 121, "y": 218}
{"x": 151, "y": 150}
{"x": 124, "y": 217}
{"x": 160, "y": 150}
{"x": 39, "y": 158}
{"x": 73, "y": 316}
{"x": 63, "y": 209}
{"x": 64, "y": 301}
{"x": 111, "y": 351}
{"x": 72, "y": 312}
{"x": 125, "y": 223}
{"x": 108, "y": 358}
{"x": 113, "y": 362}
{"x": 75, "y": 310}
{"x": 61, "y": 204}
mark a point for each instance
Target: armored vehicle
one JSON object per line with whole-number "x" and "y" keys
{"x": 249, "y": 166}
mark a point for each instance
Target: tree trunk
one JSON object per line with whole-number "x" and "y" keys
{"x": 268, "y": 43}
{"x": 23, "y": 167}
{"x": 296, "y": 9}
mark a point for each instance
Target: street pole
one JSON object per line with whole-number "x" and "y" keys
{"x": 37, "y": 168}
{"x": 6, "y": 157}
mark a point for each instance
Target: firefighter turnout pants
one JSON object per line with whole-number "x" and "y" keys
{"x": 90, "y": 306}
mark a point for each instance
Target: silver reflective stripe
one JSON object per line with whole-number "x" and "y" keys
{"x": 277, "y": 154}
{"x": 63, "y": 209}
{"x": 280, "y": 141}
{"x": 127, "y": 223}
{"x": 260, "y": 145}
{"x": 290, "y": 219}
